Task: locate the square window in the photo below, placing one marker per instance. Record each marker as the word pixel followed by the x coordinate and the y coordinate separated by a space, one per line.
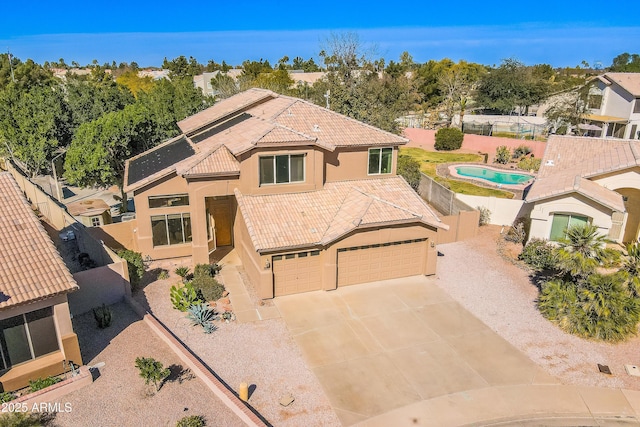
pixel 380 160
pixel 281 169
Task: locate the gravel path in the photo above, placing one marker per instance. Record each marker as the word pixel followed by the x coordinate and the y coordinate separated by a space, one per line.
pixel 119 397
pixel 502 296
pixel 262 354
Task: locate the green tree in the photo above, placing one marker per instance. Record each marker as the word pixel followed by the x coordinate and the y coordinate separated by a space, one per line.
pixel 456 85
pixel 631 268
pixel 224 85
pixel 513 85
pixel 99 148
pixel 33 125
pixel 409 169
pixel 182 67
pixel 626 63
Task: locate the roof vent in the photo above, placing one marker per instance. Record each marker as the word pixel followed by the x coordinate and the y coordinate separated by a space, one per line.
pixel 549 163
pixel 316 128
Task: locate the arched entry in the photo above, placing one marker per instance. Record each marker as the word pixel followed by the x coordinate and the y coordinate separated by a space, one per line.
pixel 632 203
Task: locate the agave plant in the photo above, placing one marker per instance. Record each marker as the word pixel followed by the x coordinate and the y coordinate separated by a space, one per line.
pixel 182 272
pixel 202 315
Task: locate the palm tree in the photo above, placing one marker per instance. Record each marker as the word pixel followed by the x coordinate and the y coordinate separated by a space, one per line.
pixel 582 251
pixel 631 269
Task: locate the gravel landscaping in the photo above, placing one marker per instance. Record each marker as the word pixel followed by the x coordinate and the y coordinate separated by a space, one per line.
pixel 262 354
pixel 503 297
pixel 119 396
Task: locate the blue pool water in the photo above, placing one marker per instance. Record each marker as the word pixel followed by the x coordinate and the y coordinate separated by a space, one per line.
pixel 493 175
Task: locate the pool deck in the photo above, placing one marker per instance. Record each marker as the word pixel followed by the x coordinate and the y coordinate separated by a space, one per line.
pixel 454 174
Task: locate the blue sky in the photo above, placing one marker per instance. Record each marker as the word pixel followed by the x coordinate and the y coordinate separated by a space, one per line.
pixel 554 32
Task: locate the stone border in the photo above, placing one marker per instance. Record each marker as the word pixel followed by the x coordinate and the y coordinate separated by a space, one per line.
pixel 57 390
pixel 247 414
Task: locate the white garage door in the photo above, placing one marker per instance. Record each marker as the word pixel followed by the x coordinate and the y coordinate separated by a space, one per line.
pixel 369 263
pixel 295 273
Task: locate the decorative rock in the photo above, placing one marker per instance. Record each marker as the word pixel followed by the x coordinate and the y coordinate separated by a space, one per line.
pixel 287 400
pixel 225 294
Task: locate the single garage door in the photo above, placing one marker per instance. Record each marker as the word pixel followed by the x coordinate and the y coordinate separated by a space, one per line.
pixel 295 273
pixel 361 264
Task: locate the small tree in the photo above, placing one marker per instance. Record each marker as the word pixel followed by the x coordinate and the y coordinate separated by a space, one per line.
pixel 135 265
pixel 152 371
pixel 448 139
pixel 409 169
pixel 503 155
pixel 582 251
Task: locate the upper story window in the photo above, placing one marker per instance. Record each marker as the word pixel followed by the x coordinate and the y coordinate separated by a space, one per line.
pixel 380 160
pixel 26 337
pixel 636 106
pixel 281 169
pixel 168 201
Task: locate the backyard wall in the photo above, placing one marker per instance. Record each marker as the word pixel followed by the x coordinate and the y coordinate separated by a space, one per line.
pixel 102 285
pixel 425 138
pixel 440 197
pixel 462 226
pixel 119 235
pixel 503 211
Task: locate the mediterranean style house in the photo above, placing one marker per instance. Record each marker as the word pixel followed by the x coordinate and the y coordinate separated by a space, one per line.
pixel 36 334
pixel 614 106
pixel 587 180
pixel 308 198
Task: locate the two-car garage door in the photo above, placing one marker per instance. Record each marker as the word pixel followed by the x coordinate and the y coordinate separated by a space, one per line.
pixel 370 263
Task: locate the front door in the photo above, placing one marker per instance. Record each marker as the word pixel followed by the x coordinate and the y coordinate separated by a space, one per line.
pixel 219 217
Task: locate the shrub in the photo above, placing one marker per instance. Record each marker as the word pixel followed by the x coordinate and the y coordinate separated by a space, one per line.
pixel 134 264
pixel 538 254
pixel 202 315
pixel 184 297
pixel 191 421
pixel 152 371
pixel 409 169
pixel 102 316
pixel 485 215
pixel 182 272
pixel 6 396
pixel 503 155
pixel 206 270
pixel 518 232
pixel 599 308
pixel 208 287
pixel 40 383
pixel 163 274
pixel 529 163
pixel 448 139
pixel 26 419
pixel 521 150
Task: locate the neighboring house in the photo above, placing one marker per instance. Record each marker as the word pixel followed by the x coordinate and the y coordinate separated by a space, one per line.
pixel 614 106
pixel 300 78
pixel 587 180
pixel 36 334
pixel 91 212
pixel 309 198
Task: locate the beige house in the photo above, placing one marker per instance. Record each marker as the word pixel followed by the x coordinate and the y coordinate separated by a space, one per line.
pixel 90 212
pixel 614 106
pixel 587 180
pixel 36 334
pixel 308 198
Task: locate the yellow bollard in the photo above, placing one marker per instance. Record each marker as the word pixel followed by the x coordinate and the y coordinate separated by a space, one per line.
pixel 244 392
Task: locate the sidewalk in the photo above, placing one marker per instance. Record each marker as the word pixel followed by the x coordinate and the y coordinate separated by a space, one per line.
pixel 243 307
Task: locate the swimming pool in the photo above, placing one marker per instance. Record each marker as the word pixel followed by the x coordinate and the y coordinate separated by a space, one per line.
pixel 493 175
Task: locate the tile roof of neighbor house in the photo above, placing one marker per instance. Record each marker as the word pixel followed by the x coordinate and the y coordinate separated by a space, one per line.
pixel 30 266
pixel 629 81
pixel 569 164
pixel 314 218
pixel 256 117
pixel 89 207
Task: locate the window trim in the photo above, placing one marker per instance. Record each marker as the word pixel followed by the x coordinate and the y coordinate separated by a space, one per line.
pixel 4 367
pixel 166 225
pixel 636 106
pixel 381 149
pixel 275 172
pixel 99 220
pixel 168 196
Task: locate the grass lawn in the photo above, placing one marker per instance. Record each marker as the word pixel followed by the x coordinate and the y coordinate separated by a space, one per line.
pixel 429 160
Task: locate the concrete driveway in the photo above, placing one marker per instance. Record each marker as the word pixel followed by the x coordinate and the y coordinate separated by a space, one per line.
pixel 385 345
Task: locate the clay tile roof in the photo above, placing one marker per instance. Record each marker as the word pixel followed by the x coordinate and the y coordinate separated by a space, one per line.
pixel 319 217
pixel 280 134
pixel 30 266
pixel 569 164
pixel 629 81
pixel 89 207
pixel 224 108
pixel 219 162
